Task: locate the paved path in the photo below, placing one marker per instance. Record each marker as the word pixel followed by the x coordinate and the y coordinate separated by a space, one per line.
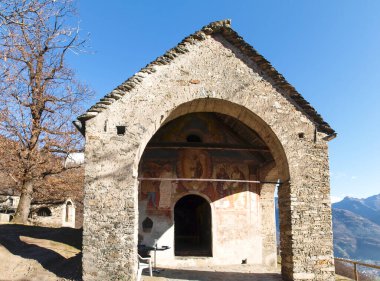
pixel 217 273
pixel 221 273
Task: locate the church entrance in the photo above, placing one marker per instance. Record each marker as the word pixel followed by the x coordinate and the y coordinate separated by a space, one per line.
pixel 192 227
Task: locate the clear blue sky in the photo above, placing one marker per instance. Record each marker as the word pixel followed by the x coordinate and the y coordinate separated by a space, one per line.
pixel 328 50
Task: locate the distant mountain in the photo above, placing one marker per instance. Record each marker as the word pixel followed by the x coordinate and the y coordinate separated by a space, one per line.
pixel 355 237
pixel 373 202
pixel 356 228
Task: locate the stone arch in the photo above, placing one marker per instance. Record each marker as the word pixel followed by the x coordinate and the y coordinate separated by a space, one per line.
pixel 197 193
pixel 68 207
pixel 68 213
pixel 44 212
pixel 226 107
pixel 264 130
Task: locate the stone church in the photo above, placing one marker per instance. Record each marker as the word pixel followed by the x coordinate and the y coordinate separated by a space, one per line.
pixel 188 152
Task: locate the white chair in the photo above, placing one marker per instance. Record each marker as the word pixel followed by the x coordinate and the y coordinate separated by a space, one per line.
pixel 143 263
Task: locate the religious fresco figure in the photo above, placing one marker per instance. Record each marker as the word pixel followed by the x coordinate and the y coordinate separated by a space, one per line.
pixel 237 174
pixel 230 192
pixel 237 199
pixel 165 187
pixel 222 187
pixel 198 168
pixel 149 189
pixel 194 164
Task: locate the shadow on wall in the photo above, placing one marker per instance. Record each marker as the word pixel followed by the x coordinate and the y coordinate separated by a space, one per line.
pixel 13 238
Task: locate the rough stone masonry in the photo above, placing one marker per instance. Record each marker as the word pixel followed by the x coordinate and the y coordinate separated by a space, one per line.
pixel 212 71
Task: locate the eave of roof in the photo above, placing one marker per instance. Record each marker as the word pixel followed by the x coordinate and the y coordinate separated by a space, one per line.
pixel 48 202
pixel 219 27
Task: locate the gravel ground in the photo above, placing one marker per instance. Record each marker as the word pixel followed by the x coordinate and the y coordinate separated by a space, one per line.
pixel 32 253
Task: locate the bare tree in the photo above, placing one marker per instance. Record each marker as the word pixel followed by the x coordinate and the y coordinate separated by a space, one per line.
pixel 39 94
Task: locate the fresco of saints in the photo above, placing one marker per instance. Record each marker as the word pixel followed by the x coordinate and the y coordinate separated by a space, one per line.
pixel 194 164
pixel 165 187
pixel 150 188
pixel 222 187
pixel 237 198
pixel 237 174
pixel 196 167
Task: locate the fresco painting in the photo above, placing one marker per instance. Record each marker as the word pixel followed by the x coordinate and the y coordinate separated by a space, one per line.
pixel 196 163
pixel 149 189
pixel 197 124
pixel 156 194
pixel 165 187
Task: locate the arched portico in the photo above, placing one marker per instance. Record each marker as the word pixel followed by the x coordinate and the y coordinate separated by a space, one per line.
pixel 210 72
pixel 223 143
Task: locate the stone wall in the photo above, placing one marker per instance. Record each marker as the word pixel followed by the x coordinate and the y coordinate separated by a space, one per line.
pixel 53 220
pixel 61 215
pixel 213 76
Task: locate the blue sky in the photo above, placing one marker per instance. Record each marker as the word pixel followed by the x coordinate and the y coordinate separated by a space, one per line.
pixel 328 50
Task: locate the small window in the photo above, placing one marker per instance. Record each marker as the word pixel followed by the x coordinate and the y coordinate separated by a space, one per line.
pixel 193 138
pixel 301 135
pixel 44 212
pixel 120 130
pixel 105 126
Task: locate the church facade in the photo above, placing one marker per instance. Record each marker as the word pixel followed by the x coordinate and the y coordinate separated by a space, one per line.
pixel 186 155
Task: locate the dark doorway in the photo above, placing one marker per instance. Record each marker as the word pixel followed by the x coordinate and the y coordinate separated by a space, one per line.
pixel 192 227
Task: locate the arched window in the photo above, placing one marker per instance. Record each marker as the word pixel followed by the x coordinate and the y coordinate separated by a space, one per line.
pixel 44 212
pixel 69 205
pixel 193 138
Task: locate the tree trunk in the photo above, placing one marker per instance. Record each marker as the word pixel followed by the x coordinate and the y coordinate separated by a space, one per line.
pixel 23 208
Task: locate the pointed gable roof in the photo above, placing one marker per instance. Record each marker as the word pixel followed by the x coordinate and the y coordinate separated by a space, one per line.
pixel 223 28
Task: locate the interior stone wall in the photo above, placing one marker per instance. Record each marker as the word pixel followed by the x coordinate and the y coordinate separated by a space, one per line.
pixel 212 77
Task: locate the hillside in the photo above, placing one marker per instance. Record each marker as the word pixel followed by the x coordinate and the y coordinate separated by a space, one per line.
pixel 356 228
pixel 355 237
pixel 368 208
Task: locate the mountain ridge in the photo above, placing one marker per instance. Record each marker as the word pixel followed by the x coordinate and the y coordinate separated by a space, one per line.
pixel 356 228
